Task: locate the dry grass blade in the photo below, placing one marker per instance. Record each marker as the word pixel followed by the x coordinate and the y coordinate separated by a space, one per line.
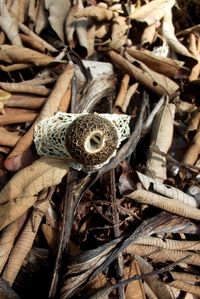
pixel 24 243
pixel 165 203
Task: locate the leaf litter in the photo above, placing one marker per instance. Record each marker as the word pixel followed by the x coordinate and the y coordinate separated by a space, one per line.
pixel 130 230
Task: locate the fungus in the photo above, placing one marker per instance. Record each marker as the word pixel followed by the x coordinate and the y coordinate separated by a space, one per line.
pixel 89 140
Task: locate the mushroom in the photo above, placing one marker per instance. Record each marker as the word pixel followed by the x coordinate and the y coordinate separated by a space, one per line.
pixel 87 140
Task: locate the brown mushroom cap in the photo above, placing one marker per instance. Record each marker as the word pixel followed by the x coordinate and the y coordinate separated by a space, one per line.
pixel 91 139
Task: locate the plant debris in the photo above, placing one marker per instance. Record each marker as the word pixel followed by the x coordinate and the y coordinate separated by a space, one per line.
pixel 130 229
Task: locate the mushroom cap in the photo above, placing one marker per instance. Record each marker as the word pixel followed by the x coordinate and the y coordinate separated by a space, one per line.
pixel 91 139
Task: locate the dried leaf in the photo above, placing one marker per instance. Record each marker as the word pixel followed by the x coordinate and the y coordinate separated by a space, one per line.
pixel 9 25
pixel 185 286
pixel 165 203
pixel 134 289
pixel 14 54
pixel 166 190
pixel 45 172
pixel 98 13
pixel 169 35
pixel 162 134
pixel 164 65
pixel 8 138
pixel 38 15
pixel 151 80
pixel 4 97
pixel 11 210
pixel 119 30
pixel 169 243
pixel 57 13
pixel 6 242
pixel 24 243
pixel 153 11
pixel 154 282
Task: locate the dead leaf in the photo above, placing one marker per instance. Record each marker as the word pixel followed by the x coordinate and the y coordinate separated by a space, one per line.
pixel 165 203
pixel 153 11
pixel 24 242
pixel 57 13
pixel 162 134
pixel 98 13
pixel 14 54
pixel 134 289
pixel 9 25
pixel 4 97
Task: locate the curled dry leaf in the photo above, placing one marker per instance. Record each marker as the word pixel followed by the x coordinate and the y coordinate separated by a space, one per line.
pixel 98 13
pixel 6 241
pixel 9 25
pixel 153 11
pixel 149 35
pixel 24 242
pixel 4 97
pixel 169 34
pixel 165 203
pixel 14 54
pixel 166 190
pixel 185 286
pixel 162 255
pixel 147 78
pixel 164 65
pixel 154 282
pixel 25 101
pixel 45 172
pixel 169 243
pixel 119 30
pixel 134 289
pixel 162 134
pixel 8 138
pixel 13 161
pixel 57 14
pixel 122 91
pixel 38 15
pixel 11 210
pixel 193 151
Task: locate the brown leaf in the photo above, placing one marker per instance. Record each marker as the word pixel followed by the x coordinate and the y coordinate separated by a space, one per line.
pixel 98 13
pixel 134 289
pixel 14 54
pixel 153 81
pixel 164 65
pixel 4 97
pixel 153 11
pixel 162 134
pixel 24 242
pixel 57 14
pixel 45 172
pixel 9 25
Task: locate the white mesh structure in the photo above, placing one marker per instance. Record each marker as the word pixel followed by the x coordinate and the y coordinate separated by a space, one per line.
pixel 50 136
